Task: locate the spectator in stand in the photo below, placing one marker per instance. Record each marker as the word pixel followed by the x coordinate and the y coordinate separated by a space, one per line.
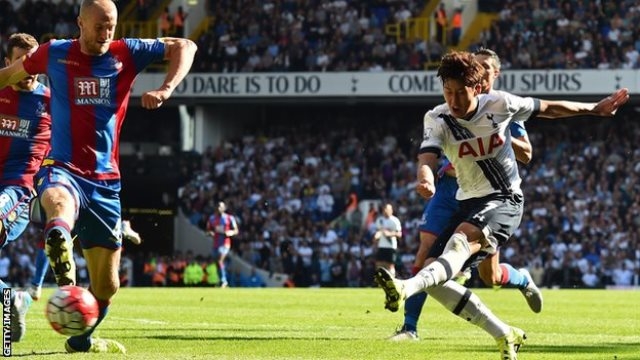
pixel 165 22
pixel 193 273
pixel 441 17
pixel 179 19
pixel 456 27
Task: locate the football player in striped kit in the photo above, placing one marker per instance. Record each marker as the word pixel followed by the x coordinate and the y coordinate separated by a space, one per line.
pixel 78 183
pixel 25 131
pixel 472 130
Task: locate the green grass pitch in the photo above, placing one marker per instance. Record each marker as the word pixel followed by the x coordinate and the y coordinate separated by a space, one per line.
pixel 213 323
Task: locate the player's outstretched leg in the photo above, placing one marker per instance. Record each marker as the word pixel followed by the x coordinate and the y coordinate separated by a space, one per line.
pixel 86 343
pixel 393 289
pixel 59 248
pixel 531 292
pixel 468 306
pixel 20 303
pixel 103 273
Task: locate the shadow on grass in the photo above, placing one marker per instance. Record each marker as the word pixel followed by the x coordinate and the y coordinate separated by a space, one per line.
pixel 38 353
pixel 238 338
pixel 610 350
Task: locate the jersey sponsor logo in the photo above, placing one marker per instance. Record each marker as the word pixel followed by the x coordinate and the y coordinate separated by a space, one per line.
pixel 480 147
pixel 13 126
pixel 68 62
pixel 92 91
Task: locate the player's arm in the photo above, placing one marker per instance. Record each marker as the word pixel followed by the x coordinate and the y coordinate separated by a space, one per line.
pixel 520 142
pixel 180 53
pixel 522 148
pixel 605 107
pixel 429 153
pixel 211 231
pixel 234 228
pixel 427 164
pixel 12 74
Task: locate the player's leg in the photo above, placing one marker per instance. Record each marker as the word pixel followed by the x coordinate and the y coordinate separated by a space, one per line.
pixel 58 195
pixel 102 265
pixel 413 305
pixel 496 274
pixel 221 254
pixel 37 216
pixel 41 267
pixel 99 233
pixel 14 219
pixel 490 222
pixel 468 306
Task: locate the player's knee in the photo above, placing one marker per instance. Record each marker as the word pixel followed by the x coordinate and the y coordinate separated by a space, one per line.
pixel 487 276
pixel 489 280
pixel 457 242
pixel 105 290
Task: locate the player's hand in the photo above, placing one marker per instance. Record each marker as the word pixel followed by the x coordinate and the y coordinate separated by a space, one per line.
pixel 609 105
pixel 426 189
pixel 153 99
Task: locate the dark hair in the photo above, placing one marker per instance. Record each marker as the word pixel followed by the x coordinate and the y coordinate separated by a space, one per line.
pixel 461 66
pixel 491 54
pixel 22 41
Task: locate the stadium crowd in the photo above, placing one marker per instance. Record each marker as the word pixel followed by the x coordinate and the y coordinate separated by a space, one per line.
pixel 290 191
pixel 579 228
pixel 323 35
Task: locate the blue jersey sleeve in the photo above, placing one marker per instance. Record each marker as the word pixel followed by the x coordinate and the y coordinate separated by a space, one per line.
pixel 145 51
pixel 517 129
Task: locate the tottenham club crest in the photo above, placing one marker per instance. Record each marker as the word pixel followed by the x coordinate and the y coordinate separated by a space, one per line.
pixel 427 134
pixel 493 122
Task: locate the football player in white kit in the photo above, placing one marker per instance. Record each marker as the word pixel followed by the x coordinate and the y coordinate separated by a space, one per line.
pixel 472 130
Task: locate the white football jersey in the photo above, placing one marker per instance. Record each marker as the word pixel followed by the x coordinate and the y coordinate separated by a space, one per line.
pixel 480 148
pixel 391 223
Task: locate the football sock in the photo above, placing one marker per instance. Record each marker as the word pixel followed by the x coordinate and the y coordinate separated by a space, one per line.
pixel 60 225
pixel 468 306
pixel 82 342
pixel 412 310
pixel 455 254
pixel 512 277
pixel 223 272
pixel 42 265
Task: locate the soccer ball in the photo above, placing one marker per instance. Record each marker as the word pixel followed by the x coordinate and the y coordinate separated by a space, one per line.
pixel 72 310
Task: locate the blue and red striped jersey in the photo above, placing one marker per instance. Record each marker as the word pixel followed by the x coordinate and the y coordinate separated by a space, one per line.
pixel 218 223
pixel 25 130
pixel 89 99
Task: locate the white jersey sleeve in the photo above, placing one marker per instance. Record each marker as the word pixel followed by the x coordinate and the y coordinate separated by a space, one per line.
pixel 433 134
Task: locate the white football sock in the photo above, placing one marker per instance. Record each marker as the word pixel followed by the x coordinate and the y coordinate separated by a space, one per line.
pixel 454 256
pixel 467 305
